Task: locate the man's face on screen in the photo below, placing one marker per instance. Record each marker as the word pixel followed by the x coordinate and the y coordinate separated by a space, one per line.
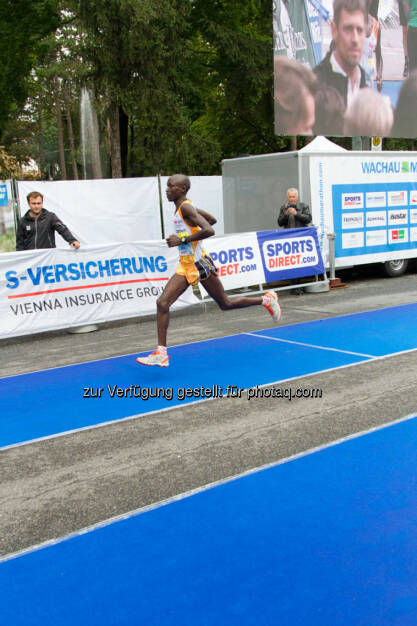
pixel 349 38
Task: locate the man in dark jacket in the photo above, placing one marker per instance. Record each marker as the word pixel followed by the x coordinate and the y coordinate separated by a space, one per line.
pixel 37 227
pixel 340 67
pixel 294 214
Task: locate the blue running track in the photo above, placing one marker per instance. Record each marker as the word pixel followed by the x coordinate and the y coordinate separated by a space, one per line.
pixel 328 539
pixel 50 402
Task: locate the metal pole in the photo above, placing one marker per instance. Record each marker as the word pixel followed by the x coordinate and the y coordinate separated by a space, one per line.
pixel 15 203
pixel 334 282
pixel 332 263
pixel 161 211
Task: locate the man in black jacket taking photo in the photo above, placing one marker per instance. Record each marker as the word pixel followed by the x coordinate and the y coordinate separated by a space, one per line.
pixel 37 227
pixel 294 214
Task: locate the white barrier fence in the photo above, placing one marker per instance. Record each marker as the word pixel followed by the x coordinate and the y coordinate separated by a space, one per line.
pixel 42 290
pixel 125 209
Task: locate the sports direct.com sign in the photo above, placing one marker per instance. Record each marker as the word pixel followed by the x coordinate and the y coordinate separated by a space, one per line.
pixel 267 256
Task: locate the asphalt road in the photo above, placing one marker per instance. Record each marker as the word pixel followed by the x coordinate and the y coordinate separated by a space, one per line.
pixel 52 488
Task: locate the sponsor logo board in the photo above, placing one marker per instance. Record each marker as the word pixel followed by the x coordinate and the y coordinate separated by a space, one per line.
pixel 398 235
pixel 397 198
pixel 376 238
pixel 282 253
pixel 375 199
pixel 352 240
pixel 290 255
pixel 413 234
pixel 398 217
pixel 352 220
pixel 352 200
pixel 376 218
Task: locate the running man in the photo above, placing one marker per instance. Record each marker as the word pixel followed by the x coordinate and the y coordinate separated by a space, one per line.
pixel 191 225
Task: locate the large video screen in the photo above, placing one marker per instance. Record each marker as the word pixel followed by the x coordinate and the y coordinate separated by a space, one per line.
pixel 345 67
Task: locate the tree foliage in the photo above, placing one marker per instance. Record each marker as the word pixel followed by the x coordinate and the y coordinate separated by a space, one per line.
pixel 9 167
pixel 176 84
pixel 25 25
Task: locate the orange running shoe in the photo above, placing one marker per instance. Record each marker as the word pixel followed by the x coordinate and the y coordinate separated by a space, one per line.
pixel 270 302
pixel 156 358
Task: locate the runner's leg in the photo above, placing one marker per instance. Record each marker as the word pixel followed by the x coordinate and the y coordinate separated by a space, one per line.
pixel 173 289
pixel 215 289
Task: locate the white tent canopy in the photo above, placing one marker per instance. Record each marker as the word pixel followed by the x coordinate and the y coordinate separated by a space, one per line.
pixel 321 144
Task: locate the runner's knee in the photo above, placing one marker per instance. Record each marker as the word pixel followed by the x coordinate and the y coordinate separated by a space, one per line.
pixel 225 304
pixel 162 304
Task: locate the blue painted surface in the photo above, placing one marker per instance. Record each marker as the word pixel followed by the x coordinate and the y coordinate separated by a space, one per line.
pixel 50 402
pixel 328 539
pixel 45 403
pixel 376 333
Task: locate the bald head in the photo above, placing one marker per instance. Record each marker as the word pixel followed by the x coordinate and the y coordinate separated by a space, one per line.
pixel 181 179
pixel 177 187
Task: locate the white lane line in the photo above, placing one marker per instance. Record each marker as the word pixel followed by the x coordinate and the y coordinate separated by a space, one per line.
pixel 176 406
pixel 139 351
pixel 312 345
pixel 192 492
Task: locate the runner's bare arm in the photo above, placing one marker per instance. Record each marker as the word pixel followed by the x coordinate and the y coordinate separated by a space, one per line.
pixel 193 218
pixel 207 216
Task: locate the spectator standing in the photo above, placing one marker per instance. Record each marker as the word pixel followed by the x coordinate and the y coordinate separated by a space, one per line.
pixel 37 227
pixel 294 214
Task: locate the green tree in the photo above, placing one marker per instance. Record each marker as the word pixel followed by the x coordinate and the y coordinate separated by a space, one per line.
pixel 25 24
pixel 237 61
pixel 9 167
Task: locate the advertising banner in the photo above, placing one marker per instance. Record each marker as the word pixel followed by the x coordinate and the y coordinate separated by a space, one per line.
pixel 4 200
pixel 43 290
pixel 369 202
pixel 290 253
pixel 265 257
pixel 237 258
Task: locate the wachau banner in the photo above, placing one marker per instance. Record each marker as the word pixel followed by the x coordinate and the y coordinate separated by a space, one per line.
pixel 266 256
pixel 370 202
pixel 43 290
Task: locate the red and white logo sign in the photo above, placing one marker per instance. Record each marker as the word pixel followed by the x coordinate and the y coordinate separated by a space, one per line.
pixel 352 200
pixel 397 198
pixel 399 235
